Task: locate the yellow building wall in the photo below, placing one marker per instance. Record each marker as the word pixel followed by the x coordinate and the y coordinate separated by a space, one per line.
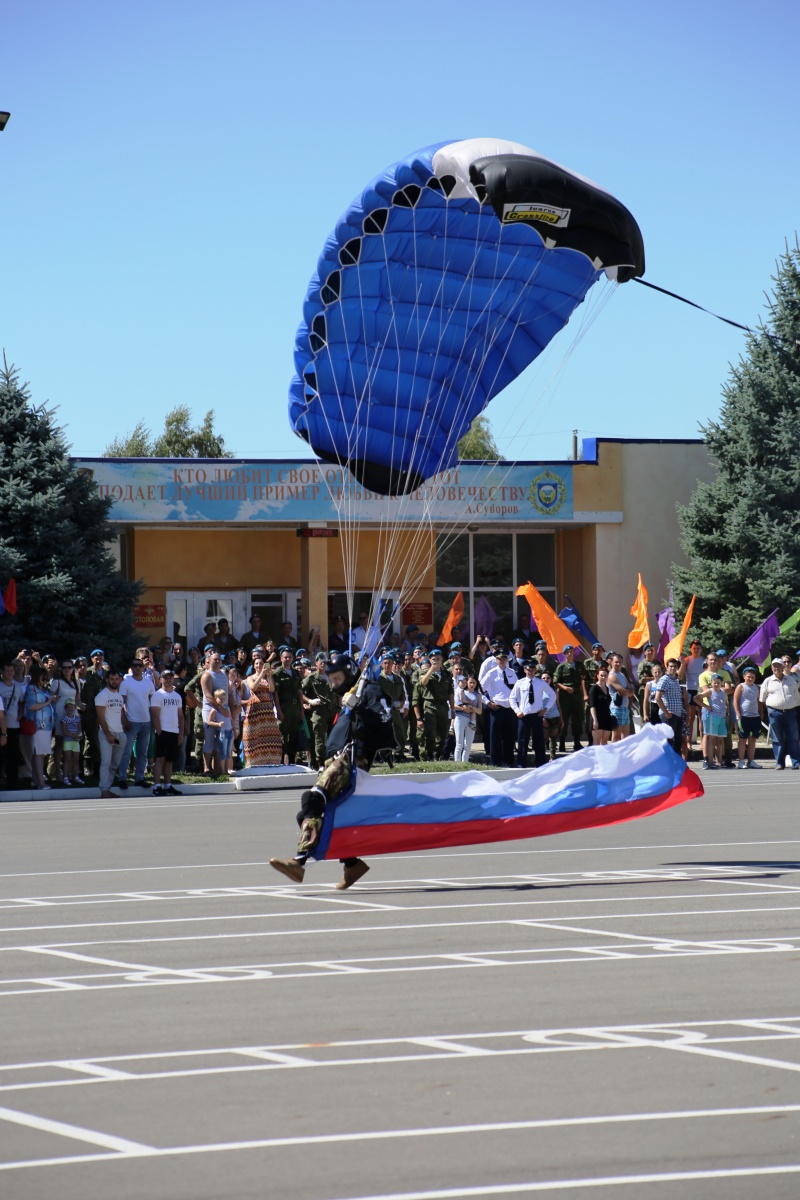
pixel 599 487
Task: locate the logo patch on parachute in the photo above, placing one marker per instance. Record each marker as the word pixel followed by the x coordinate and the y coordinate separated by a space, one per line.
pixel 547 214
pixel 547 493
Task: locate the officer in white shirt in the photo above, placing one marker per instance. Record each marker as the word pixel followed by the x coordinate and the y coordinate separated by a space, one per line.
pixel 530 698
pixel 496 684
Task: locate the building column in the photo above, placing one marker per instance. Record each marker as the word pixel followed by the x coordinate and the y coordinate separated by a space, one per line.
pixel 314 587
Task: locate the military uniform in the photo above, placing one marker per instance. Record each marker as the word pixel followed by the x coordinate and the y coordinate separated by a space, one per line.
pixel 316 687
pixel 571 703
pixel 250 640
pixel 408 677
pixel 548 665
pixel 195 731
pixel 288 691
pixel 93 684
pixel 394 690
pixel 433 702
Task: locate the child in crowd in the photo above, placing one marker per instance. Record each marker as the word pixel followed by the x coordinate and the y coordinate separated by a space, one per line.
pixel 219 719
pixel 715 722
pixel 650 708
pixel 71 731
pixel 748 720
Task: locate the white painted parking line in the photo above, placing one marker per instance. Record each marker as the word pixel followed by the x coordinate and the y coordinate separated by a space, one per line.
pixel 563 1185
pixel 161 1065
pixel 528 850
pixel 629 946
pixel 62 1129
pixel 403 926
pixel 130 1149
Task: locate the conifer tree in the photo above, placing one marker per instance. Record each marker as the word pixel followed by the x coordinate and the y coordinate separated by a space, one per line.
pixel 54 536
pixel 741 533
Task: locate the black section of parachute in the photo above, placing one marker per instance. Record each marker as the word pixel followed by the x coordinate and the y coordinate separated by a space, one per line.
pixel 597 224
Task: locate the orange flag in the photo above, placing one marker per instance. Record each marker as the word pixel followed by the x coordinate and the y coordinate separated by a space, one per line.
pixel 453 620
pixel 675 647
pixel 640 634
pixel 551 628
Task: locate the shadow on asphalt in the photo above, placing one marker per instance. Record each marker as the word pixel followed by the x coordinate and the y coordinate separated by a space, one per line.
pixel 766 864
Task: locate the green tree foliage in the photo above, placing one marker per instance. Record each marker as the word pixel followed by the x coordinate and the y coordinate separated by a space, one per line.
pixel 179 439
pixel 478 443
pixel 741 533
pixel 54 538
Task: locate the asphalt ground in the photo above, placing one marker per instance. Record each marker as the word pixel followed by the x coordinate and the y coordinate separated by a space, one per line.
pixel 616 1009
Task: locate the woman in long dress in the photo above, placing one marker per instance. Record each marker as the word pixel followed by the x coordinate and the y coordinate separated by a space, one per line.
pixel 261 737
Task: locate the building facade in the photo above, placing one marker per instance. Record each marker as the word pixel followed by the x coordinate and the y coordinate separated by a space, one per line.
pixel 224 538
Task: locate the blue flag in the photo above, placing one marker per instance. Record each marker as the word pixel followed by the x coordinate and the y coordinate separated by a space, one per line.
pixel 573 619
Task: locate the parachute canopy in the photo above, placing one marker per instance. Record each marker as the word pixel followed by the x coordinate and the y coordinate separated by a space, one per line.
pixel 444 279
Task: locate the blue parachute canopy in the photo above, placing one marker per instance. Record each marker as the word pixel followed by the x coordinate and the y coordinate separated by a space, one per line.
pixel 444 279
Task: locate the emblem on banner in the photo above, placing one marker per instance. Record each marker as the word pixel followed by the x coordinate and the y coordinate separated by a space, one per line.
pixel 547 493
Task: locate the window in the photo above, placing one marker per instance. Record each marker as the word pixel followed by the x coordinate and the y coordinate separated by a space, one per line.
pixel 487 568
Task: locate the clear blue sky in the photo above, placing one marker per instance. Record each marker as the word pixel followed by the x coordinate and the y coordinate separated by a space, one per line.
pixel 171 170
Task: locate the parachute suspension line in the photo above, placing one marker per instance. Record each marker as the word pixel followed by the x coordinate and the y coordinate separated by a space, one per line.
pixel 412 565
pixel 452 529
pixel 692 304
pixel 594 306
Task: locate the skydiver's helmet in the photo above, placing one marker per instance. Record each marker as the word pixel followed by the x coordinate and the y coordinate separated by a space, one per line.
pixel 343 664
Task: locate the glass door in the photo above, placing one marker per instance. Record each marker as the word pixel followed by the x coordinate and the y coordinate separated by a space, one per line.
pixel 189 612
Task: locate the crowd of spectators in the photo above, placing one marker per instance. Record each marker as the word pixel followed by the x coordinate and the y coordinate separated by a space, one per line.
pixel 228 703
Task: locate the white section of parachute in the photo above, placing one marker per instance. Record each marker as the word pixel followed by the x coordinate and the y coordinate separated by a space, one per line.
pixel 456 159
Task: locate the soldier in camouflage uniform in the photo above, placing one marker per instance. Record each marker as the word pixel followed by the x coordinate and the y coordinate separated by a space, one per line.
pixel 434 705
pixel 457 665
pixel 93 684
pixel 569 684
pixel 321 709
pixel 392 686
pixel 467 667
pixel 288 693
pixel 543 660
pixel 197 735
pixel 407 673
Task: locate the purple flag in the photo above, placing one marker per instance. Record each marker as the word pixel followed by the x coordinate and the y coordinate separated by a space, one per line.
pixel 759 644
pixel 666 629
pixel 484 617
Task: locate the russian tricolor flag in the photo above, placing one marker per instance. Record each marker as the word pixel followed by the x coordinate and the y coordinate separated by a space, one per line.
pixel 602 785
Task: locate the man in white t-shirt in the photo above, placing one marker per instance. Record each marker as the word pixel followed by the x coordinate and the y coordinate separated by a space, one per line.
pixel 166 710
pixel 137 691
pixel 111 724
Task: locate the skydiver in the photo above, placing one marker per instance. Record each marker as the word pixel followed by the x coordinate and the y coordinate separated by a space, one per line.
pixel 362 728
